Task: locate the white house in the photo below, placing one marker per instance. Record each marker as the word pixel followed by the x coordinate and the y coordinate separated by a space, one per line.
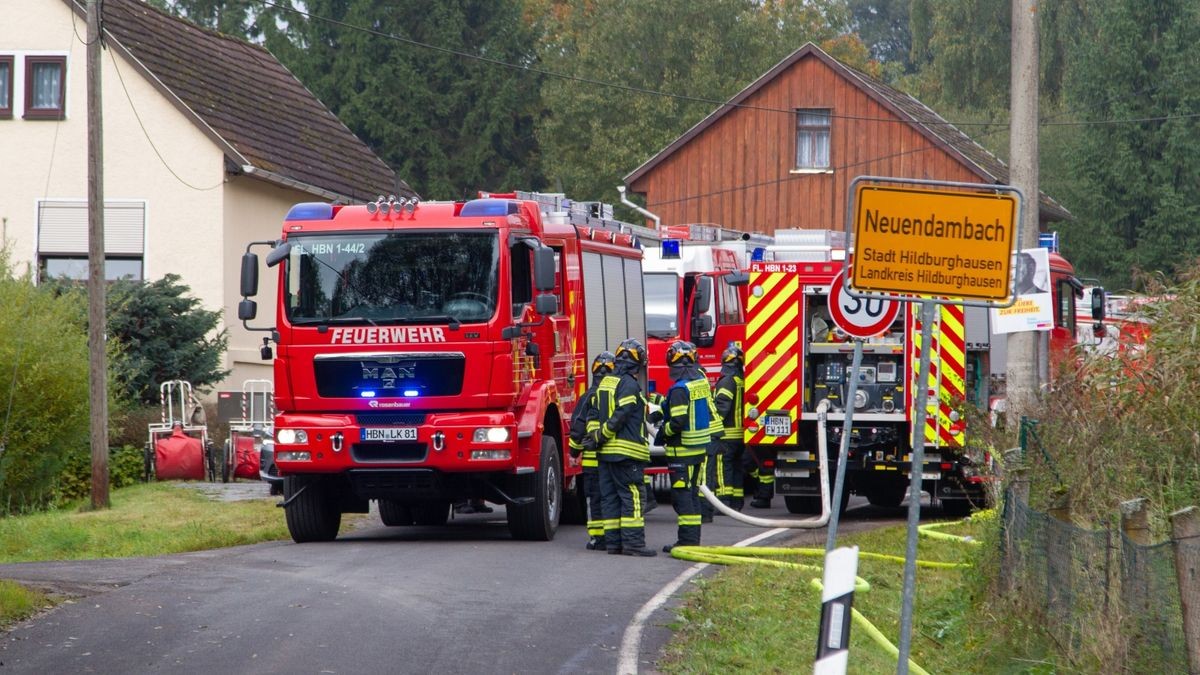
pixel 208 140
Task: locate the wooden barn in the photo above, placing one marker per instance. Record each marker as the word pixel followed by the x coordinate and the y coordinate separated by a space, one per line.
pixel 782 153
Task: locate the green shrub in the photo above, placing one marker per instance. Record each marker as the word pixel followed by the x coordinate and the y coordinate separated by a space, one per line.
pixel 126 466
pixel 43 387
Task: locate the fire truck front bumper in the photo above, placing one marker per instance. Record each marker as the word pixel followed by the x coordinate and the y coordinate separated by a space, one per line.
pixel 447 442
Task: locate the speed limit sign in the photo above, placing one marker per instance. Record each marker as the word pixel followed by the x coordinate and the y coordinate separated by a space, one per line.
pixel 860 317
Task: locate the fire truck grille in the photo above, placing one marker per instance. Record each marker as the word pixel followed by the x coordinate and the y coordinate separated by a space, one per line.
pixel 390 483
pixel 408 378
pixel 388 452
pixel 390 419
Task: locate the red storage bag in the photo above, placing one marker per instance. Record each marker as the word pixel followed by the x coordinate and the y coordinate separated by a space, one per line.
pixel 246 458
pixel 179 457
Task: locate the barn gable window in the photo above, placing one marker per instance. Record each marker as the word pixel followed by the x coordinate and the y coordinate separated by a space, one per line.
pixel 812 139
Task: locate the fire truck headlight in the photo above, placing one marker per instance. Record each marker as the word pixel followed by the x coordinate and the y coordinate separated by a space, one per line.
pixel 757 291
pixel 752 413
pixel 291 436
pixel 954 416
pixel 491 435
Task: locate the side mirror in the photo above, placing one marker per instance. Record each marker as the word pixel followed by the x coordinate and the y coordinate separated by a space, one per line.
pixel 265 350
pixel 737 278
pixel 543 268
pixel 704 291
pixel 510 332
pixel 249 275
pixel 546 304
pixel 278 254
pixel 247 309
pixel 1098 304
pixel 702 331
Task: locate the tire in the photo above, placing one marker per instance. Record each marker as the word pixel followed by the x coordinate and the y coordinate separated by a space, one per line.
pixel 431 514
pixel 314 515
pixel 574 511
pixel 225 461
pixel 538 521
pixel 888 499
pixel 395 514
pixel 803 505
pixel 957 508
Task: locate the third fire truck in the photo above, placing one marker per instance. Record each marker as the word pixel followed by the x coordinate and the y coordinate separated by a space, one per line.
pixel 796 358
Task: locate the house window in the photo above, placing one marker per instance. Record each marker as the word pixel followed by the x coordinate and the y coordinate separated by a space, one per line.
pixel 63 239
pixel 75 268
pixel 45 87
pixel 6 86
pixel 812 139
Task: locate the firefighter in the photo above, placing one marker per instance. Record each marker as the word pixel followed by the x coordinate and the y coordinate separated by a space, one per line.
pixel 622 450
pixel 763 470
pixel 713 473
pixel 602 365
pixel 686 436
pixel 728 399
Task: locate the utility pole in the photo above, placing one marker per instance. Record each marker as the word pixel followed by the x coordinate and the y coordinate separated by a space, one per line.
pixel 97 362
pixel 1022 379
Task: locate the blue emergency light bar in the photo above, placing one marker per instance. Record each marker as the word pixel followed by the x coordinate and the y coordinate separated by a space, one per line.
pixel 411 393
pixel 1048 240
pixel 670 249
pixel 477 208
pixel 759 254
pixel 311 211
pixel 366 394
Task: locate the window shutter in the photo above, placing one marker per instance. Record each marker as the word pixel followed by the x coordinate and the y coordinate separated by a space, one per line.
pixel 62 227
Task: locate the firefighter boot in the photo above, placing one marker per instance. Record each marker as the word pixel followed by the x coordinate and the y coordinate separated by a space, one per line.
pixel 763 496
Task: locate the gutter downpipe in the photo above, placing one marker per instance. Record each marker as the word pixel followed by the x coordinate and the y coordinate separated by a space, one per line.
pixel 811 523
pixel 639 209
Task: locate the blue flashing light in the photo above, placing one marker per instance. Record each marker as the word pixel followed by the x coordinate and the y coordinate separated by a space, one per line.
pixel 366 393
pixel 653 386
pixel 477 208
pixel 758 254
pixel 670 249
pixel 311 211
pixel 411 393
pixel 1048 240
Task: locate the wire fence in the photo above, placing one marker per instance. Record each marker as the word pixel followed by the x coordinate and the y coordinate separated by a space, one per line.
pixel 1104 595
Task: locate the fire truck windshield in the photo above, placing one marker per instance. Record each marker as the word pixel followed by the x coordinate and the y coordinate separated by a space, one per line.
pixel 662 304
pixel 394 277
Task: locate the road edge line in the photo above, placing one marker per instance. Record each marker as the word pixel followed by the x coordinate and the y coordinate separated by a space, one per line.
pixel 631 641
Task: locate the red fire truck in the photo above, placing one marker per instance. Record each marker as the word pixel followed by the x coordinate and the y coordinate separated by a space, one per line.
pixel 689 295
pixel 796 358
pixel 430 353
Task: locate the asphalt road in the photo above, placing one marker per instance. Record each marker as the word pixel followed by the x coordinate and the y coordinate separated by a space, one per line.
pixel 464 598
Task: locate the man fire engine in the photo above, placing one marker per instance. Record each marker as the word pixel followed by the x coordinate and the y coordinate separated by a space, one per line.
pixel 796 357
pixel 433 352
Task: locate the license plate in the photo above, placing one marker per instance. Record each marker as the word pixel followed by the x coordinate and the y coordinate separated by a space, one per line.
pixel 388 434
pixel 779 425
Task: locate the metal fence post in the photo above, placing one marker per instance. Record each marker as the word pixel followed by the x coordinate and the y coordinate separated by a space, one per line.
pixel 1017 497
pixel 1185 535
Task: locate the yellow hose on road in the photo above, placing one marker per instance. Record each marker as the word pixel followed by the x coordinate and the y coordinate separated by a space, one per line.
pixel 764 555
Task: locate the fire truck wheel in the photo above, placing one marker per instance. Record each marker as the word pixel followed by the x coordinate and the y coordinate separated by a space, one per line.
pixel 431 514
pixel 394 514
pixel 888 499
pixel 538 520
pixel 225 457
pixel 956 508
pixel 574 510
pixel 314 515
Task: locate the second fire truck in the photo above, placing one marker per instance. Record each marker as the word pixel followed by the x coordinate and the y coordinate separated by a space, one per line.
pixel 796 358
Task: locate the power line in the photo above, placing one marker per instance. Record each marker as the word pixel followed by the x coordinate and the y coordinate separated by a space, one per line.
pixel 147 133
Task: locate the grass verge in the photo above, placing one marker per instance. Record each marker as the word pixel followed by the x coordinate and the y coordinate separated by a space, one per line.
pixel 145 520
pixel 761 619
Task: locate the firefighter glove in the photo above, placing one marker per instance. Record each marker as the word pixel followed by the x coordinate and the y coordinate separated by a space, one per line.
pixel 656 416
pixel 593 440
pixel 660 437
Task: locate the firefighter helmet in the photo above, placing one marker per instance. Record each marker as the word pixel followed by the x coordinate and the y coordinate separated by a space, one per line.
pixel 681 353
pixel 632 351
pixel 733 354
pixel 604 363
